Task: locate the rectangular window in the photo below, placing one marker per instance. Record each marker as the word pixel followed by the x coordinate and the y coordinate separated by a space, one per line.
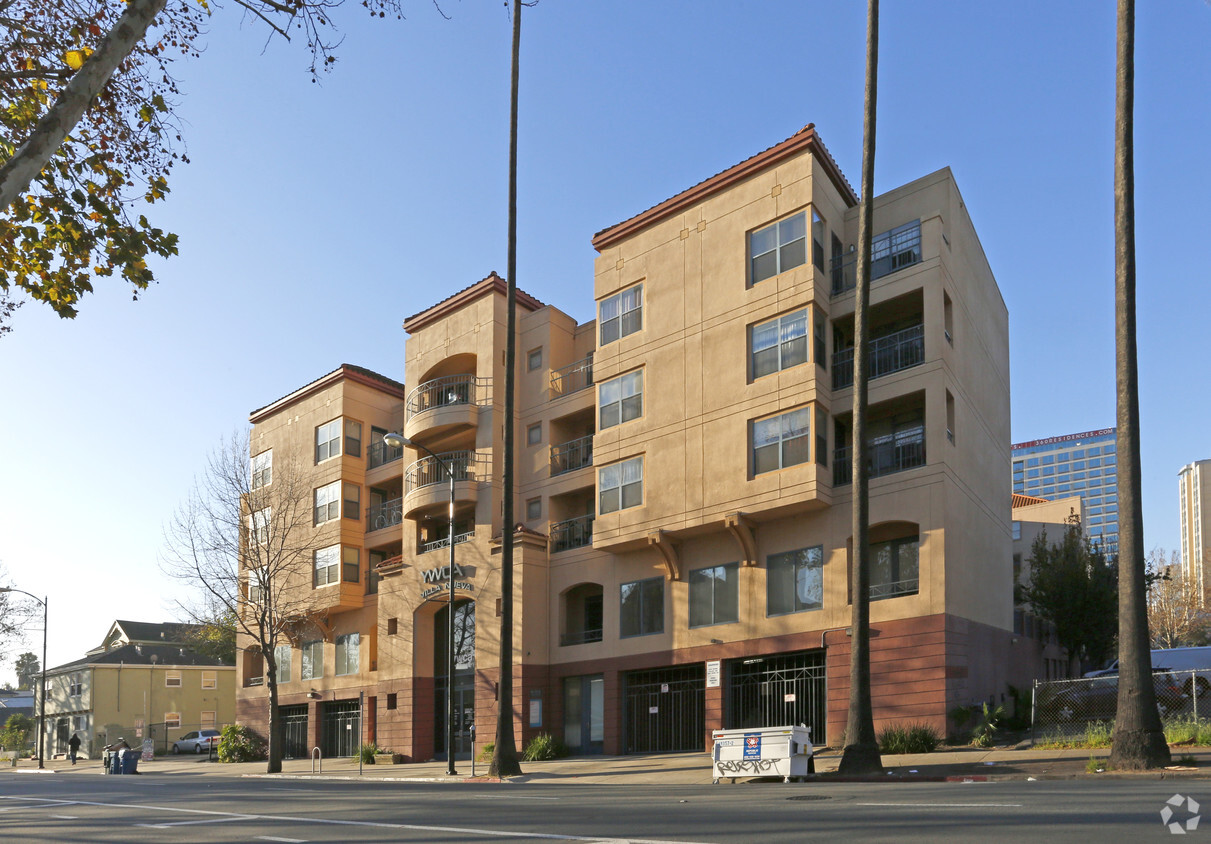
pixel 893 568
pixel 641 610
pixel 794 581
pixel 534 359
pixel 392 626
pixel 779 344
pixel 346 653
pixel 621 399
pixel 821 436
pixel 778 247
pixel 208 719
pixel 210 679
pixel 817 240
pixel 819 323
pixel 781 441
pixel 1017 530
pixel 327 560
pixel 313 660
pixel 533 509
pixel 172 720
pixel 328 503
pixel 534 434
pixel 351 564
pixel 327 440
pixel 75 685
pixel 282 654
pixel 373 559
pixel 172 679
pixel 621 314
pixel 715 595
pixel 258 526
pixel 621 485
pixel 262 469
pixel 353 438
pixel 391 700
pixel 353 501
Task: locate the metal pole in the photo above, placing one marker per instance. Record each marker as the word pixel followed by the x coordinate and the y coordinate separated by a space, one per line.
pixel 42 705
pixel 361 728
pixel 450 642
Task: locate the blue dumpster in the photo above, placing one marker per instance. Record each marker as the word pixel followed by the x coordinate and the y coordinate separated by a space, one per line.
pixel 130 761
pixel 115 762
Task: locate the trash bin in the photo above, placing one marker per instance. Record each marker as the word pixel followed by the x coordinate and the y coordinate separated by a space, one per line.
pixel 130 760
pixel 763 752
pixel 112 758
pixel 115 762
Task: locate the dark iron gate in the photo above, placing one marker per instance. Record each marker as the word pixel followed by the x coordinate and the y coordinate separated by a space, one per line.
pixel 777 691
pixel 664 709
pixel 294 731
pixel 342 728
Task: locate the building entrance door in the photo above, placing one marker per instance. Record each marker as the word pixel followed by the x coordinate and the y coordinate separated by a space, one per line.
pixel 665 709
pixel 584 713
pixel 294 731
pixel 776 691
pixel 464 678
pixel 342 728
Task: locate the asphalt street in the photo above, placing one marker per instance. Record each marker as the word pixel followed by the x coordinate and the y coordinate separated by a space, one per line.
pixel 186 808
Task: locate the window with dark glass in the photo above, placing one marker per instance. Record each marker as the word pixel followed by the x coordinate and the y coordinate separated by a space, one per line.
pixel 327 440
pixel 621 399
pixel 794 581
pixel 621 314
pixel 621 485
pixel 715 595
pixel 353 501
pixel 781 441
pixel 641 607
pixel 778 247
pixel 780 343
pixel 894 568
pixel 353 438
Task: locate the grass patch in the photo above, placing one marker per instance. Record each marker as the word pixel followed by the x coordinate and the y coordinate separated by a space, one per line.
pixel 1096 736
pixel 1094 765
pixel 544 746
pixel 1188 731
pixel 908 738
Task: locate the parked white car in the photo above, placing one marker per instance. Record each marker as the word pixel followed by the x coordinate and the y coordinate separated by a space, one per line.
pixel 197 741
pixel 1181 661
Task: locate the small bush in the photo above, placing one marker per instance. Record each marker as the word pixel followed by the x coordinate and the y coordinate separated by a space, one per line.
pixel 544 746
pixel 485 755
pixel 1094 765
pixel 241 744
pixel 908 738
pixel 985 732
pixel 367 752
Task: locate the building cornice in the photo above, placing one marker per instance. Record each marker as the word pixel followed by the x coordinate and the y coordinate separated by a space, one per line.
pixel 345 372
pixel 492 284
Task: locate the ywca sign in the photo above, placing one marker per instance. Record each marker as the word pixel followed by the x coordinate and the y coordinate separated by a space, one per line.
pixel 440 576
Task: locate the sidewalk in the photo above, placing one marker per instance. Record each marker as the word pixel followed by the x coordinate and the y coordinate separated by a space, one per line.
pixel 952 763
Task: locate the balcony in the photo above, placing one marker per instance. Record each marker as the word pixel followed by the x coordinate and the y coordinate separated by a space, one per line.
pixel 380 454
pixel 888 354
pixel 444 403
pixel 444 542
pixel 890 251
pixel 574 533
pixel 895 589
pixel 886 455
pixel 580 637
pixel 572 379
pixel 572 455
pixel 385 515
pixel 425 482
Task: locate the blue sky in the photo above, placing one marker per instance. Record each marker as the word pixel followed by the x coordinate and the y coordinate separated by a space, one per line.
pixel 315 218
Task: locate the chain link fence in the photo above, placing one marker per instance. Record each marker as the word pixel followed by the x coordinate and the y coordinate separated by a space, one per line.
pixel 1064 708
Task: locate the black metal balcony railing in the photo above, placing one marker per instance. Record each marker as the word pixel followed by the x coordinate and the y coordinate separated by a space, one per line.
pixel 580 637
pixel 384 515
pixel 890 251
pixel 888 354
pixel 459 539
pixel 380 454
pixel 428 471
pixel 885 455
pixel 574 533
pixel 572 378
pixel 894 589
pixel 574 454
pixel 443 392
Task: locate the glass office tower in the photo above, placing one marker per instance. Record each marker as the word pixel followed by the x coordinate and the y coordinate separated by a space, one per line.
pixel 1082 464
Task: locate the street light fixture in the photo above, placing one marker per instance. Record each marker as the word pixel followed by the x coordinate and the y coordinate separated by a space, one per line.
pixel 399 441
pixel 42 696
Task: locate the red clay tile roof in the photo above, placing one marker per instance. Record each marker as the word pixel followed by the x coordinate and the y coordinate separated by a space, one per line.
pixel 346 370
pixel 1020 500
pixel 492 282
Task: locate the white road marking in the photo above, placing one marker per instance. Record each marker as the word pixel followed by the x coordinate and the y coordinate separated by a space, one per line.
pixel 286 840
pixel 67 817
pixel 168 824
pixel 300 790
pixel 948 805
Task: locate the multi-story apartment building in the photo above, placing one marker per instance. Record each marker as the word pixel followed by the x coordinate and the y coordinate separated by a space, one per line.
pixel 1195 511
pixel 1033 517
pixel 1083 464
pixel 684 539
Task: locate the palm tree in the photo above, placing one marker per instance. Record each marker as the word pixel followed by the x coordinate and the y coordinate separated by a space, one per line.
pixel 861 753
pixel 1139 741
pixel 504 753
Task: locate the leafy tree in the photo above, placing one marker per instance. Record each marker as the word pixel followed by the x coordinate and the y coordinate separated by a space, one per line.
pixel 861 752
pixel 1138 742
pixel 215 637
pixel 17 732
pixel 89 133
pixel 1176 617
pixel 1071 585
pixel 28 668
pixel 15 612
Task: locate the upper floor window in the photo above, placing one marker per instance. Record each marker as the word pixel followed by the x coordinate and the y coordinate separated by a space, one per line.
pixel 353 438
pixel 282 655
pixel 534 359
pixel 621 314
pixel 210 679
pixel 75 685
pixel 353 501
pixel 778 248
pixel 781 441
pixel 346 653
pixel 262 469
pixel 327 440
pixel 327 561
pixel 312 660
pixel 641 608
pixel 621 399
pixel 780 343
pixel 715 595
pixel 894 568
pixel 794 581
pixel 328 503
pixel 258 526
pixel 817 240
pixel 172 679
pixel 621 485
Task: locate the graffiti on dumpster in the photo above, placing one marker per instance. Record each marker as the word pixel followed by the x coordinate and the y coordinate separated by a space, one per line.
pixel 739 766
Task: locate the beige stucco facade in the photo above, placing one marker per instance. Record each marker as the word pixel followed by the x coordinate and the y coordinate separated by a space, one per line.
pixel 676 569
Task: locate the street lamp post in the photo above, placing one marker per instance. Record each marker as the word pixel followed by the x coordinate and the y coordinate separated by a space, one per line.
pixel 42 695
pixel 399 441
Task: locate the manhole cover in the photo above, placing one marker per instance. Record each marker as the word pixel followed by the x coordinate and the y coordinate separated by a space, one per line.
pixel 810 797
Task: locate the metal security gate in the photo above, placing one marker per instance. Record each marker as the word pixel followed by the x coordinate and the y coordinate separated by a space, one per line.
pixel 777 691
pixel 294 731
pixel 664 709
pixel 342 728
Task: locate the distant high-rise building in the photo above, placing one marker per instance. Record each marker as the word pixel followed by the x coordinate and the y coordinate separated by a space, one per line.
pixel 1196 521
pixel 1082 464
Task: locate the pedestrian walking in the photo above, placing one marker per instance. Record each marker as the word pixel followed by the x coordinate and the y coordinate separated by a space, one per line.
pixel 73 745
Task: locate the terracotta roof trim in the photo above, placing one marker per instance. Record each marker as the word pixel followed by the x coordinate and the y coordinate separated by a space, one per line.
pixel 352 372
pixel 805 139
pixel 490 284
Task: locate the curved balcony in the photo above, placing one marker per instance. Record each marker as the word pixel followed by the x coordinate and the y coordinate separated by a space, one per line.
pixel 445 403
pixel 426 484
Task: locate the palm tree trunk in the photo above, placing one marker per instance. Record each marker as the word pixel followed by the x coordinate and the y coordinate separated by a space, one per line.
pixel 504 753
pixel 1139 741
pixel 861 753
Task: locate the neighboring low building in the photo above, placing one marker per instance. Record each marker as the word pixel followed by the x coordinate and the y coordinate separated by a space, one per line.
pixel 1195 509
pixel 142 682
